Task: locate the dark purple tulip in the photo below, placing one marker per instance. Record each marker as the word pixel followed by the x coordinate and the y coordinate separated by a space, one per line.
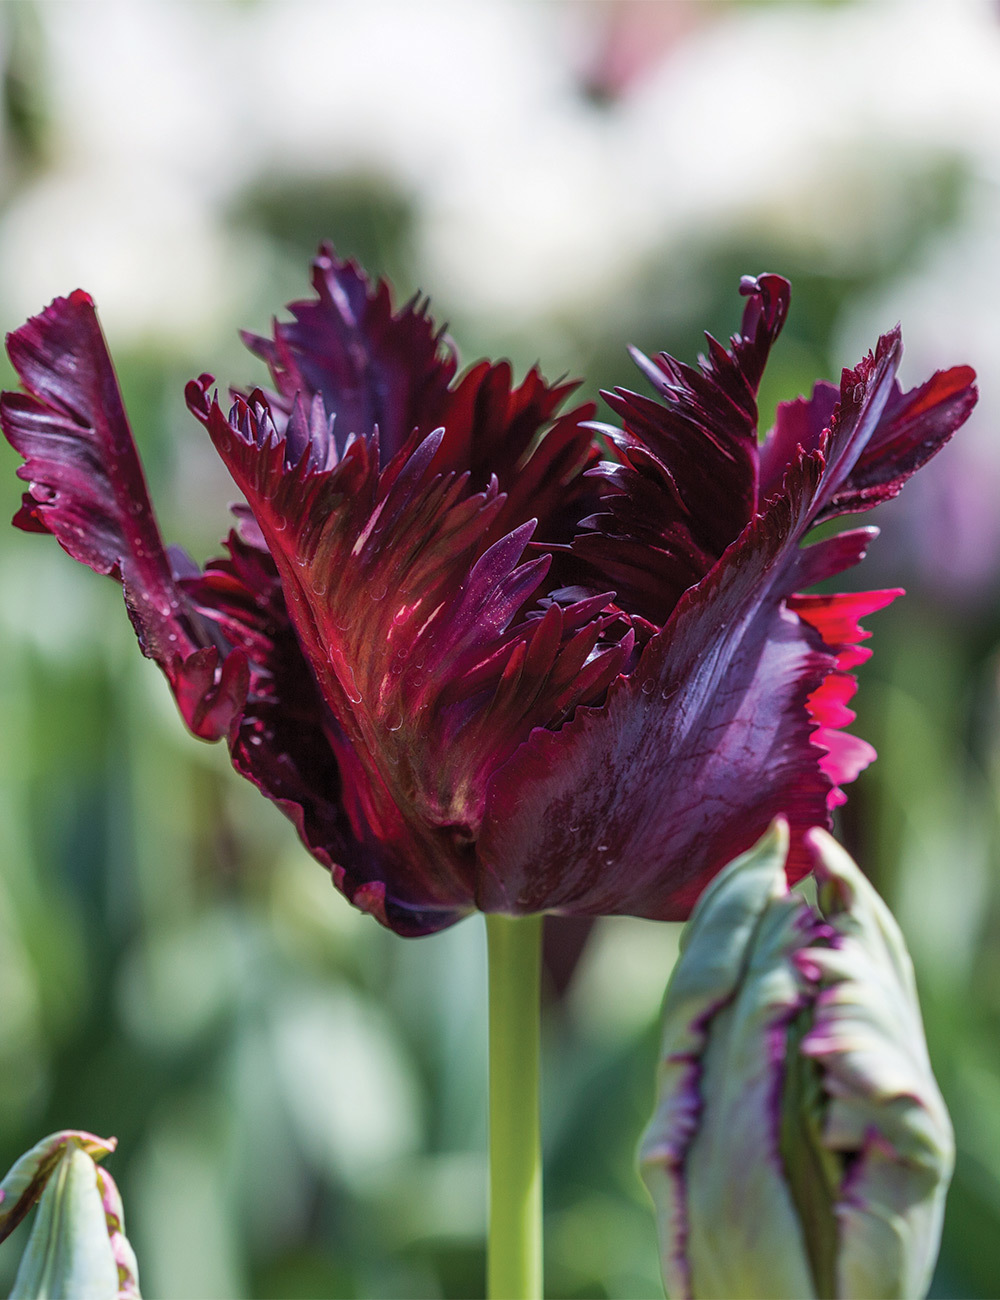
pixel 475 665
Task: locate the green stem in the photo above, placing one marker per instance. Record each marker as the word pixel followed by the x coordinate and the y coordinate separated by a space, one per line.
pixel 514 1252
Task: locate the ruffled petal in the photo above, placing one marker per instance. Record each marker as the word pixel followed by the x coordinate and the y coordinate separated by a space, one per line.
pixel 912 427
pixel 687 486
pixel 290 746
pixel 729 719
pixel 375 367
pixel 371 366
pixel 86 487
pixel 633 806
pixel 492 429
pixel 407 612
pixel 837 620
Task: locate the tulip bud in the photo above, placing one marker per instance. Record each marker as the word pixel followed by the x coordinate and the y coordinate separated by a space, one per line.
pixel 77 1248
pixel 800 1146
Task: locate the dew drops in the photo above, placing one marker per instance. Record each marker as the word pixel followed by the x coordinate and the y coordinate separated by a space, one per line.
pixel 351 687
pixel 377 592
pixel 648 686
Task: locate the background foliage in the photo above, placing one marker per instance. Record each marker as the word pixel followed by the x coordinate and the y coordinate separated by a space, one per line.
pixel 299 1096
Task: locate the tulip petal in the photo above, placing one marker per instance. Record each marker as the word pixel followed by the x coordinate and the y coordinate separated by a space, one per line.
pixel 799 1146
pixel 714 946
pixel 885 1117
pixel 376 367
pixel 690 757
pixel 372 367
pixel 689 486
pixel 912 427
pixel 68 1252
pixel 836 619
pixel 408 678
pixel 712 735
pixel 87 488
pixel 121 1248
pixel 726 1012
pixel 290 746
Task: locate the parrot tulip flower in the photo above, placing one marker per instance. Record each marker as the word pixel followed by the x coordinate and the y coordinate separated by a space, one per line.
pixel 476 664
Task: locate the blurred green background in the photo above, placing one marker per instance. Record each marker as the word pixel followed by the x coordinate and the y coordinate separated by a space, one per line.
pixel 300 1096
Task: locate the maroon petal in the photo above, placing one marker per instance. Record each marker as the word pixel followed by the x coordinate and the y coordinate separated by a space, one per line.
pixel 912 427
pixel 799 426
pixel 375 367
pixel 492 429
pixel 633 806
pixel 688 486
pixel 408 613
pixel 372 367
pixel 287 741
pixel 86 487
pixel 734 710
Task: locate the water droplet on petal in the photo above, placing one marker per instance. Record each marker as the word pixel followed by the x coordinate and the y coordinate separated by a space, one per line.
pixel 648 686
pixel 351 688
